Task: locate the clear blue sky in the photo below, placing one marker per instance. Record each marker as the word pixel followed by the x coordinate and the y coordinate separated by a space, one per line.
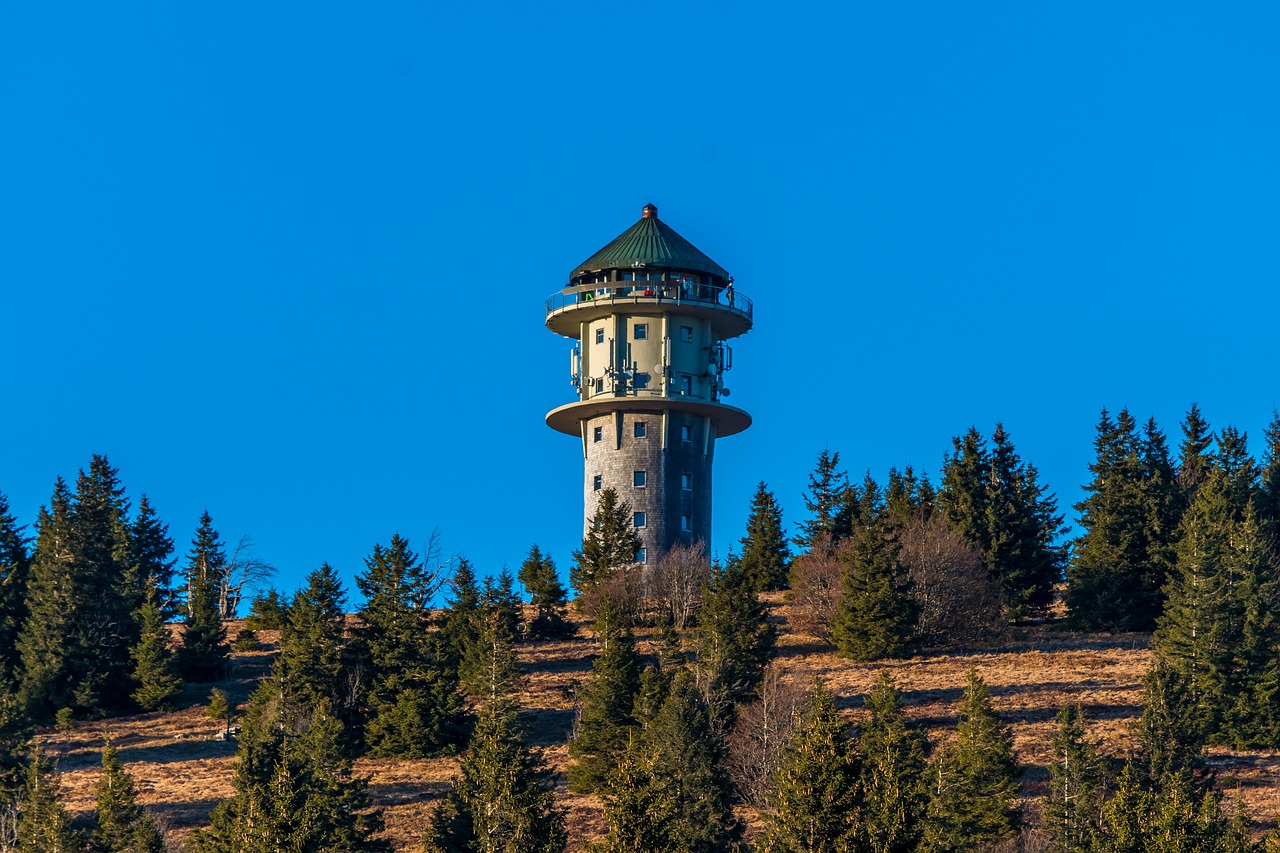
pixel 287 262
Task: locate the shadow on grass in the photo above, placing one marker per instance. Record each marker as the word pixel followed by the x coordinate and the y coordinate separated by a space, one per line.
pixel 547 726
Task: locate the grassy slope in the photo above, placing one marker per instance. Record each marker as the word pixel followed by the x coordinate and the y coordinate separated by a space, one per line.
pixel 182 773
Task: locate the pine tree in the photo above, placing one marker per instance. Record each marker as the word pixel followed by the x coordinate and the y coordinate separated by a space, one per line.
pixel 876 615
pixel 973 781
pixel 503 801
pixel 493 670
pixel 605 720
pixel 1193 460
pixel 122 825
pixel 610 542
pixel 830 501
pixel 293 784
pixel 547 595
pixel 816 805
pixel 765 555
pixel 204 653
pixel 155 667
pixel 415 704
pixel 15 566
pixel 734 638
pixel 1163 502
pixel 1077 786
pixel 44 825
pixel 892 773
pixel 675 773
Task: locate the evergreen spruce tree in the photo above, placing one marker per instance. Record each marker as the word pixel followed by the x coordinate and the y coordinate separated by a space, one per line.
pixel 1163 501
pixel 876 615
pixel 15 741
pixel 492 669
pixel 1024 523
pixel 1269 478
pixel 122 825
pixel 671 792
pixel 155 667
pixel 830 501
pixel 1110 588
pixel 503 800
pixel 1194 459
pixel 605 720
pixel 765 556
pixel 963 495
pixel 416 710
pixel 1177 815
pixel 44 825
pixel 110 594
pixel 151 558
pixel 610 542
pixel 973 781
pixel 268 611
pixel 547 595
pixel 203 654
pixel 15 566
pixel 46 642
pixel 460 625
pixel 734 638
pixel 1239 470
pixel 293 784
pixel 892 773
pixel 816 807
pixel 313 662
pixel 1077 786
pixel 1218 632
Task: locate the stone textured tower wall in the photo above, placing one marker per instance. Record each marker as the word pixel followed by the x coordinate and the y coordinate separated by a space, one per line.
pixel 619 454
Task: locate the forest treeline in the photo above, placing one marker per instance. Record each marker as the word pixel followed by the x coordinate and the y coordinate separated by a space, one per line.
pixel 99 618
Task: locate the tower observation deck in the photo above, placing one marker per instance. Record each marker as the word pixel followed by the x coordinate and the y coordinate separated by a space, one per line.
pixel 650 316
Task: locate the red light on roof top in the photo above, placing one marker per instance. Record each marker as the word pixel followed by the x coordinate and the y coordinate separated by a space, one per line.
pixel 649 212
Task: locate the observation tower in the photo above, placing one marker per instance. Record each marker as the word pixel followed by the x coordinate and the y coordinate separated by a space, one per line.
pixel 649 316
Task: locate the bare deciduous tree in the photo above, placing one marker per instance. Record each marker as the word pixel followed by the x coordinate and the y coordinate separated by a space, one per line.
pixel 815 587
pixel 960 603
pixel 760 734
pixel 245 572
pixel 674 584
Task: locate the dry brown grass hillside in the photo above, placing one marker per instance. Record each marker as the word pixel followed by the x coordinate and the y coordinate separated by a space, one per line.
pixel 182 772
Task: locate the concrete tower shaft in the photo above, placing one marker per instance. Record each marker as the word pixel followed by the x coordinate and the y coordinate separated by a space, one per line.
pixel 650 316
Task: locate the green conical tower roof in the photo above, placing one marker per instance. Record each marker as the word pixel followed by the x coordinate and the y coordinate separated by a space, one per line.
pixel 653 243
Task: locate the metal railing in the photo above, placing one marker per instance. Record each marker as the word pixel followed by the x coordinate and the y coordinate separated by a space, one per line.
pixel 665 292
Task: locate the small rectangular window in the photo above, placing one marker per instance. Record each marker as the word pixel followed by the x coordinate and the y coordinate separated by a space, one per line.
pixel 686 334
pixel 686 523
pixel 597 434
pixel 686 482
pixel 638 521
pixel 640 429
pixel 686 434
pixel 638 479
pixel 600 335
pixel 686 385
pixel 600 385
pixel 642 331
pixel 640 554
pixel 597 482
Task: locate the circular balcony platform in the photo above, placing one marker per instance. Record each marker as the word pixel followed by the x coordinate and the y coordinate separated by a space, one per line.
pixel 727 420
pixel 730 316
